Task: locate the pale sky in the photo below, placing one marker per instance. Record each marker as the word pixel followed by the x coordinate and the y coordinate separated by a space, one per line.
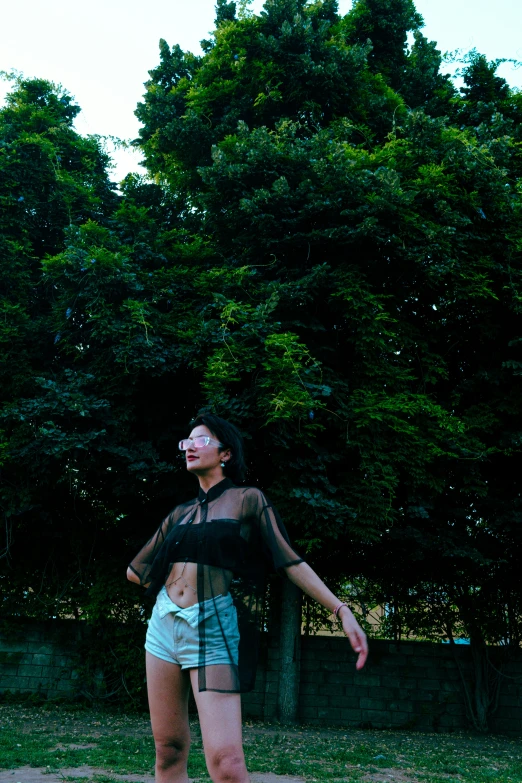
pixel 100 51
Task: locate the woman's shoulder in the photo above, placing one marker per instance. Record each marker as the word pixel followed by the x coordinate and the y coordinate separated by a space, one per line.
pixel 252 497
pixel 248 490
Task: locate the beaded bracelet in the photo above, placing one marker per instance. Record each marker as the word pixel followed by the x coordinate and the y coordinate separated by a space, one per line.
pixel 338 608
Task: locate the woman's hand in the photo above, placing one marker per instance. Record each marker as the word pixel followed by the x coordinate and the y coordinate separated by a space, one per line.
pixel 303 576
pixel 355 634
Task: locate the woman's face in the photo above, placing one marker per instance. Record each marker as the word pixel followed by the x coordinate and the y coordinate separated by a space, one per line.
pixel 205 458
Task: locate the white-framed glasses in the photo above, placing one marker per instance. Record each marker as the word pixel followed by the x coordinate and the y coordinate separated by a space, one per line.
pixel 198 443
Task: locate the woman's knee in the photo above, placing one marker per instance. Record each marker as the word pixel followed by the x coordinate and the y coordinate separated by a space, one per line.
pixel 171 752
pixel 227 765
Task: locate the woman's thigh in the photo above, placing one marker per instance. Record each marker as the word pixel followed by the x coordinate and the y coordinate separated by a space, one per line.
pixel 220 721
pixel 168 690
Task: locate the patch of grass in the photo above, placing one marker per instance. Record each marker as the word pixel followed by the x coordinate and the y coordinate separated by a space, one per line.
pixel 123 745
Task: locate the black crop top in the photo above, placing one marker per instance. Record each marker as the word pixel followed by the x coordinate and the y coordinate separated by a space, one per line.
pixel 235 536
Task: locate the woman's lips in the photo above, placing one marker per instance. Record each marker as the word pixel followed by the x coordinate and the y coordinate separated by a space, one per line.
pixel 190 459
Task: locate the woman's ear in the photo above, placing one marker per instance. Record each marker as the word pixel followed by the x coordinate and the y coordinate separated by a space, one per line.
pixel 226 455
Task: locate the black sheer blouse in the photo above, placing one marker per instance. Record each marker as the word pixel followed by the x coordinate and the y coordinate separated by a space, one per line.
pixel 236 536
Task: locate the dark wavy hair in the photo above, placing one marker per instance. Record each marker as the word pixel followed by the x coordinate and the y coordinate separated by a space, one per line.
pixel 229 435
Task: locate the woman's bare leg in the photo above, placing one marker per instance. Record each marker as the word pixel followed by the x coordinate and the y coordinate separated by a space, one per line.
pixel 168 690
pixel 220 721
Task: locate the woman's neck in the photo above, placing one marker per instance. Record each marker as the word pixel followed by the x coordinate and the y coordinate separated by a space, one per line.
pixel 209 480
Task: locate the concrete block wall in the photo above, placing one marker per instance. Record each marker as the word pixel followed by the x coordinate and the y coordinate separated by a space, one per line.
pixel 413 685
pixel 40 658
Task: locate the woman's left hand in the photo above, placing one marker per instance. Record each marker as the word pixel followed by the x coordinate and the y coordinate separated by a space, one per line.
pixel 355 634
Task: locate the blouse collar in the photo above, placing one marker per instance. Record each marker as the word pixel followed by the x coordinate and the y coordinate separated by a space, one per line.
pixel 215 491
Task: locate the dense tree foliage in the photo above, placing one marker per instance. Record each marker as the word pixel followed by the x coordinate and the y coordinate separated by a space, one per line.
pixel 328 251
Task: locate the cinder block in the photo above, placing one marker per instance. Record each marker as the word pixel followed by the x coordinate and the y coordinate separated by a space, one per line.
pixel 40 683
pixel 357 693
pixel 408 685
pixel 331 714
pixel 28 670
pixel 510 700
pixel 351 715
pixel 63 660
pixel 390 681
pixel 418 660
pixel 253 698
pixel 20 648
pixel 311 665
pixel 44 649
pixel 11 657
pixel 429 685
pixel 319 642
pixel 506 726
pixel 345 656
pixel 59 672
pixel 309 688
pixel 512 713
pixel 421 696
pixel 381 717
pixel 400 718
pixel 40 659
pixel 316 677
pixel 330 689
pixel 314 701
pixel 336 678
pixel 450 721
pixel 366 679
pixel 15 683
pixel 308 713
pixel 383 693
pixel 449 686
pixel 7 671
pixel 343 701
pixel 455 709
pixel 372 704
pixel 401 706
pixel 331 666
pixel 33 634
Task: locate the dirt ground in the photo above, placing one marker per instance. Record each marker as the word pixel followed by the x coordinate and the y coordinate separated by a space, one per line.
pixel 34 775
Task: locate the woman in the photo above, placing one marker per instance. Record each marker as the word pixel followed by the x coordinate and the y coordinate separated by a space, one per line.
pixel 227 538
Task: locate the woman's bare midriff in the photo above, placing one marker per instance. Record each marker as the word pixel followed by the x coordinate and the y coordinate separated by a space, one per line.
pixel 182 582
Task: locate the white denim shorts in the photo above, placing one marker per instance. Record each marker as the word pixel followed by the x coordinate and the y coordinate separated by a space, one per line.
pixel 173 633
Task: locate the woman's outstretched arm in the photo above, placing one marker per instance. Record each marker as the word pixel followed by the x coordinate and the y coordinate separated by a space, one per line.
pixel 307 580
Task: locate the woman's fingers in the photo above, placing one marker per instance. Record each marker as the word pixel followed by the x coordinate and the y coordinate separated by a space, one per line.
pixel 359 644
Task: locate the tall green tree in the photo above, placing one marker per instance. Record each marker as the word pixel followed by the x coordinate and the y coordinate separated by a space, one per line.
pixel 403 252
pixel 51 178
pixel 328 253
pixel 385 24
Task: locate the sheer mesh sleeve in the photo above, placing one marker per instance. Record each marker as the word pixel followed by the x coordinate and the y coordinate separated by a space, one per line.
pixel 278 549
pixel 142 563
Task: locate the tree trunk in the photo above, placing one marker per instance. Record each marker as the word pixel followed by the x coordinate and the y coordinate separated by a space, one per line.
pixel 290 652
